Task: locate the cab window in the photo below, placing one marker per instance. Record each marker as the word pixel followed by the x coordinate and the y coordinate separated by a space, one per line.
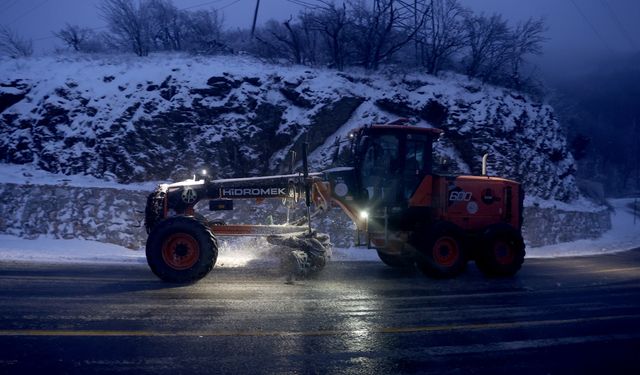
pixel 416 162
pixel 380 164
pixel 418 155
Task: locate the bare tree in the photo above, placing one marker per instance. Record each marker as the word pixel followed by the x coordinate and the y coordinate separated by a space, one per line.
pixel 311 38
pixel 379 31
pixel 488 42
pixel 167 24
pixel 266 45
pixel 14 46
pixel 443 33
pixel 293 41
pixel 104 42
pixel 331 21
pixel 74 36
pixel 284 39
pixel 526 38
pixel 203 32
pixel 130 22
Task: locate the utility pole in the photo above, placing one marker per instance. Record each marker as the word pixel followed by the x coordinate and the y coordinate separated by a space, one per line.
pixel 255 18
pixel 431 65
pixel 637 157
pixel 636 129
pixel 415 25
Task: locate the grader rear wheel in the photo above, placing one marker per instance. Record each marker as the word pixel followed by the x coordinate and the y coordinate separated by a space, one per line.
pixel 440 251
pixel 502 251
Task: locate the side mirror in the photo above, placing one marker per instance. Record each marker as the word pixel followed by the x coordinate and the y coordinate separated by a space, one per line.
pixel 445 164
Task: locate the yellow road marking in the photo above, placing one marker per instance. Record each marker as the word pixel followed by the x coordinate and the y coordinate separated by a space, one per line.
pixel 392 330
pixel 617 270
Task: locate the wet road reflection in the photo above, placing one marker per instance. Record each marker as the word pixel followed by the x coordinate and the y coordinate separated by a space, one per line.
pixel 556 315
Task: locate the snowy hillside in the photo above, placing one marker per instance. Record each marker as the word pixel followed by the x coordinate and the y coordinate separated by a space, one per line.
pixel 161 117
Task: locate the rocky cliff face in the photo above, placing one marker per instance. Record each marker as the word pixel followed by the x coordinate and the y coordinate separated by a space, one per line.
pixel 105 215
pixel 112 215
pixel 161 118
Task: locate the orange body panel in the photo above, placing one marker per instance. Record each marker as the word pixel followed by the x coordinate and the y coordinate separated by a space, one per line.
pixel 233 230
pixel 470 202
pixel 423 197
pixel 254 230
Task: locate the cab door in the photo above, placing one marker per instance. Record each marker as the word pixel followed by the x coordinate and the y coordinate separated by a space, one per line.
pixel 417 162
pixel 381 170
pixel 392 167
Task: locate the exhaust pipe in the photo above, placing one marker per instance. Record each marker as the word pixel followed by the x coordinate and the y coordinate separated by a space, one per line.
pixel 484 164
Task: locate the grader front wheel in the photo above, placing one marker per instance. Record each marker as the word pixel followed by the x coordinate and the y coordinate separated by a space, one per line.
pixel 181 250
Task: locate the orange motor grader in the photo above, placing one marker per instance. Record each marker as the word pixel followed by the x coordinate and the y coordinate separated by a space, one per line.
pixel 400 207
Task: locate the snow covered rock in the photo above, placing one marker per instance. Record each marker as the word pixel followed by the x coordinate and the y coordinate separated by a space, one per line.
pixel 162 117
pixel 11 93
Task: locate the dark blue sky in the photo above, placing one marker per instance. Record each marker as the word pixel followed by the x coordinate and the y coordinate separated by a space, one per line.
pixel 579 30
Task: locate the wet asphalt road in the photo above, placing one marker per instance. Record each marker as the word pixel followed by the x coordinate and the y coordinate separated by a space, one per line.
pixel 557 316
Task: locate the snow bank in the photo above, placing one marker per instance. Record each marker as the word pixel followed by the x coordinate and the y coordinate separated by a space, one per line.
pixel 49 250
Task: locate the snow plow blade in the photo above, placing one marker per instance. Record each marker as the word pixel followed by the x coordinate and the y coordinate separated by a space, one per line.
pixel 309 253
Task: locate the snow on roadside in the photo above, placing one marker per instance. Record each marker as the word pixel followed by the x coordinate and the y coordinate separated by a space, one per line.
pixel 26 174
pixel 624 235
pixel 48 250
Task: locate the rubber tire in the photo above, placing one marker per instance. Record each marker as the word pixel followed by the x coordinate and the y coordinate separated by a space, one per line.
pixel 489 261
pixel 443 234
pixel 395 261
pixel 188 227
